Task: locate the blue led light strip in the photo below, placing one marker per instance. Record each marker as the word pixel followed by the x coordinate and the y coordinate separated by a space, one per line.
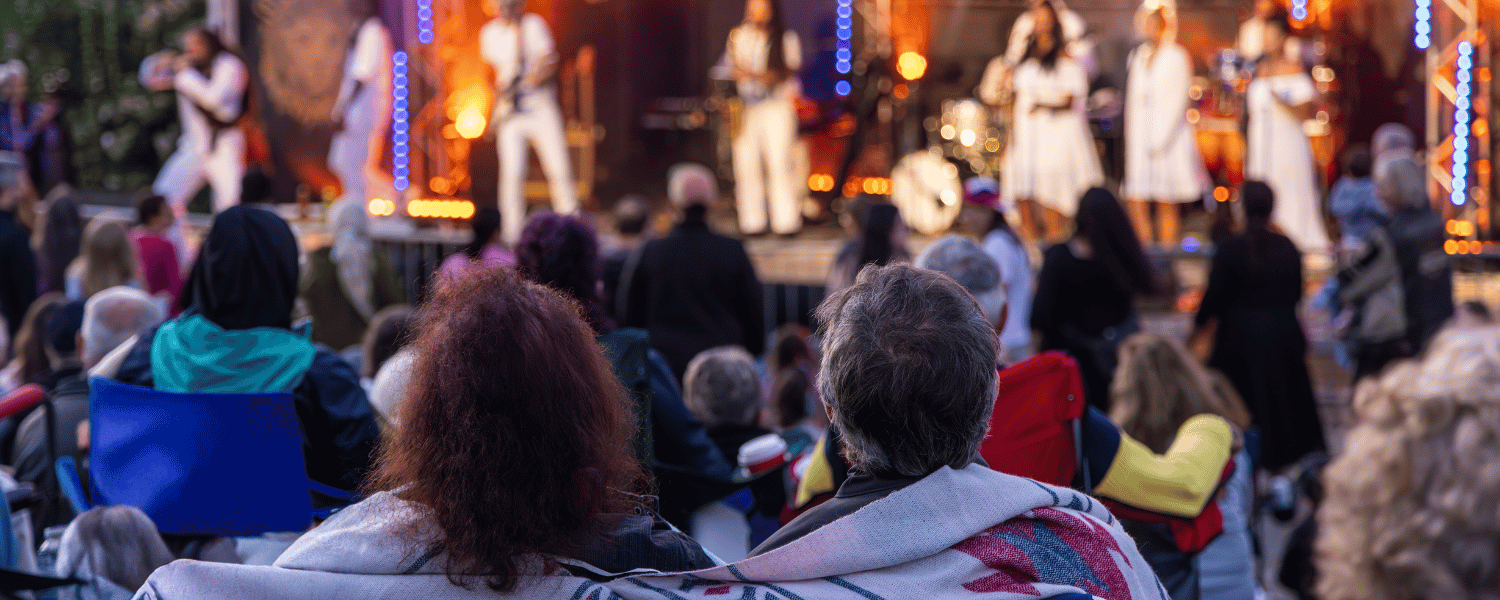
pixel 1462 74
pixel 400 127
pixel 1422 25
pixel 844 55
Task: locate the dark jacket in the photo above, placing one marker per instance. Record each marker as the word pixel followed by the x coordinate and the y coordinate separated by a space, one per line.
pixel 34 459
pixel 694 290
pixel 1426 272
pixel 339 433
pixel 18 276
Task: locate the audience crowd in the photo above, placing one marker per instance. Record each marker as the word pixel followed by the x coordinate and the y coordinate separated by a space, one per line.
pixel 594 415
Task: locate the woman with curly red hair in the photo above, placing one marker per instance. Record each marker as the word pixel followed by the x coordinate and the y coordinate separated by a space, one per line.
pixel 511 462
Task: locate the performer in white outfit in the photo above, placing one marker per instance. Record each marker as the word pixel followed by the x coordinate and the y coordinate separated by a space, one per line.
pixel 998 72
pixel 364 109
pixel 766 57
pixel 519 46
pixel 1162 162
pixel 1050 159
pixel 211 85
pixel 1279 153
pixel 1252 38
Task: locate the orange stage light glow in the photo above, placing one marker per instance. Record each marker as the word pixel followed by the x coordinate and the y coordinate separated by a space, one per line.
pixel 440 209
pixel 1221 194
pixel 911 66
pixel 381 207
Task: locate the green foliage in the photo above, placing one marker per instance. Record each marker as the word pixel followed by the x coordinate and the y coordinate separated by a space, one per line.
pixel 88 51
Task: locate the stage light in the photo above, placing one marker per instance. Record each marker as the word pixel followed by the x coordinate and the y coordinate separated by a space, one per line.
pixel 440 209
pixel 1462 127
pixel 424 21
pixel 470 123
pixel 381 207
pixel 1423 25
pixel 1190 244
pixel 845 52
pixel 841 88
pixel 911 66
pixel 1221 194
pixel 400 158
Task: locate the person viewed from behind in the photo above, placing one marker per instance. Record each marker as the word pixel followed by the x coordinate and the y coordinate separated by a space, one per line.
pixel 386 343
pixel 28 355
pixel 1158 387
pixel 18 278
pixel 57 239
pixel 483 250
pixel 1354 202
pixel 909 378
pixel 1017 277
pixel 113 550
pixel 511 469
pixel 882 241
pixel 695 289
pixel 110 318
pixel 1402 282
pixel 158 255
pixel 722 389
pixel 1390 142
pixel 1163 167
pixel 1250 310
pixel 632 221
pixel 349 280
pixel 1085 294
pixel 1408 509
pixel 108 259
pixel 235 336
pixel 562 252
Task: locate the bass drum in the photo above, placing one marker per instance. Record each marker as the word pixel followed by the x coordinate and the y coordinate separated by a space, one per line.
pixel 926 189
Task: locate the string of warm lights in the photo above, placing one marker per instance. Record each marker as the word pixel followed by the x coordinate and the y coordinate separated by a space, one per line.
pixel 440 209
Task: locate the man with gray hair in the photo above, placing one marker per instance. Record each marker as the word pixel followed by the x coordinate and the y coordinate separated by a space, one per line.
pixel 110 318
pixel 695 289
pixel 970 266
pixel 909 379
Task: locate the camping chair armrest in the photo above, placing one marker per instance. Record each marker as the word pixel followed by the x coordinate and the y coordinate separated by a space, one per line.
pixel 72 486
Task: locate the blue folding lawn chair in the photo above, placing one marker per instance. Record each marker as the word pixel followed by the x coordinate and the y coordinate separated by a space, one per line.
pixel 197 464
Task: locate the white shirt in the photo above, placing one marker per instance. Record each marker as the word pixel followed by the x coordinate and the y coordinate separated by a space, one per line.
pixel 749 50
pixel 499 47
pixel 221 93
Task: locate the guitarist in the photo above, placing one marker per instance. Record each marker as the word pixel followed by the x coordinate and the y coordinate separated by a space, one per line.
pixel 519 46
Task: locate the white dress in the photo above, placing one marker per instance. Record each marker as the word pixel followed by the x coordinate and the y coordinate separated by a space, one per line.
pixel 1162 161
pixel 1051 156
pixel 1279 153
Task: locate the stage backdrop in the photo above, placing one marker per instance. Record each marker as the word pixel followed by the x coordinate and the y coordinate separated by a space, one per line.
pixel 296 51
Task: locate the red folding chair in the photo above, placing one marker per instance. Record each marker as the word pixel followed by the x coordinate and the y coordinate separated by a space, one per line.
pixel 1035 429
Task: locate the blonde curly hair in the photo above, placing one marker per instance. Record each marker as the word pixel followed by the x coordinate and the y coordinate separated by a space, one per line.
pixel 1412 507
pixel 1159 385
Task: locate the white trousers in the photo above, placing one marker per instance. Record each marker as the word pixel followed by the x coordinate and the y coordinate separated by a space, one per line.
pixel 764 169
pixel 185 173
pixel 539 121
pixel 223 168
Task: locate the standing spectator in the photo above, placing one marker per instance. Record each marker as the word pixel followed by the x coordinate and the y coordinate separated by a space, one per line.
pixel 57 238
pixel 882 241
pixel 159 266
pixel 1158 387
pixel 1017 277
pixel 1085 295
pixel 1250 309
pixel 1353 200
pixel 1391 141
pixel 18 278
pixel 235 336
pixel 1409 510
pixel 696 289
pixel 483 250
pixel 110 318
pixel 632 217
pixel 349 280
pixel 107 259
pixel 30 129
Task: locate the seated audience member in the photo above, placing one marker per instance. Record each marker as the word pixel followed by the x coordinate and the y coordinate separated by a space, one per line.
pixel 28 352
pixel 106 260
pixel 909 378
pixel 113 550
pixel 159 266
pixel 59 344
pixel 1409 506
pixel 346 282
pixel 695 289
pixel 385 346
pixel 57 239
pixel 483 250
pixel 235 336
pixel 796 411
pixel 388 388
pixel 881 241
pixel 969 265
pixel 511 469
pixel 632 217
pixel 1178 484
pixel 1158 386
pixel 110 318
pixel 18 278
pixel 723 390
pixel 562 252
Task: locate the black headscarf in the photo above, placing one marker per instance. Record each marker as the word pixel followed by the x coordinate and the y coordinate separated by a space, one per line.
pixel 246 272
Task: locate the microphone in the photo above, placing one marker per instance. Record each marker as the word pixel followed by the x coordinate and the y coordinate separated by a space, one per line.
pixel 21 400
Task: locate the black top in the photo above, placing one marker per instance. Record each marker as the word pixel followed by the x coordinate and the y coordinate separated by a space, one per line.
pixel 857 492
pixel 694 290
pixel 1236 282
pixel 1076 292
pixel 18 277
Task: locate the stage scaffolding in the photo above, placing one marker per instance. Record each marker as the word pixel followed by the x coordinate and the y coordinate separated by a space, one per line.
pixel 1455 36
